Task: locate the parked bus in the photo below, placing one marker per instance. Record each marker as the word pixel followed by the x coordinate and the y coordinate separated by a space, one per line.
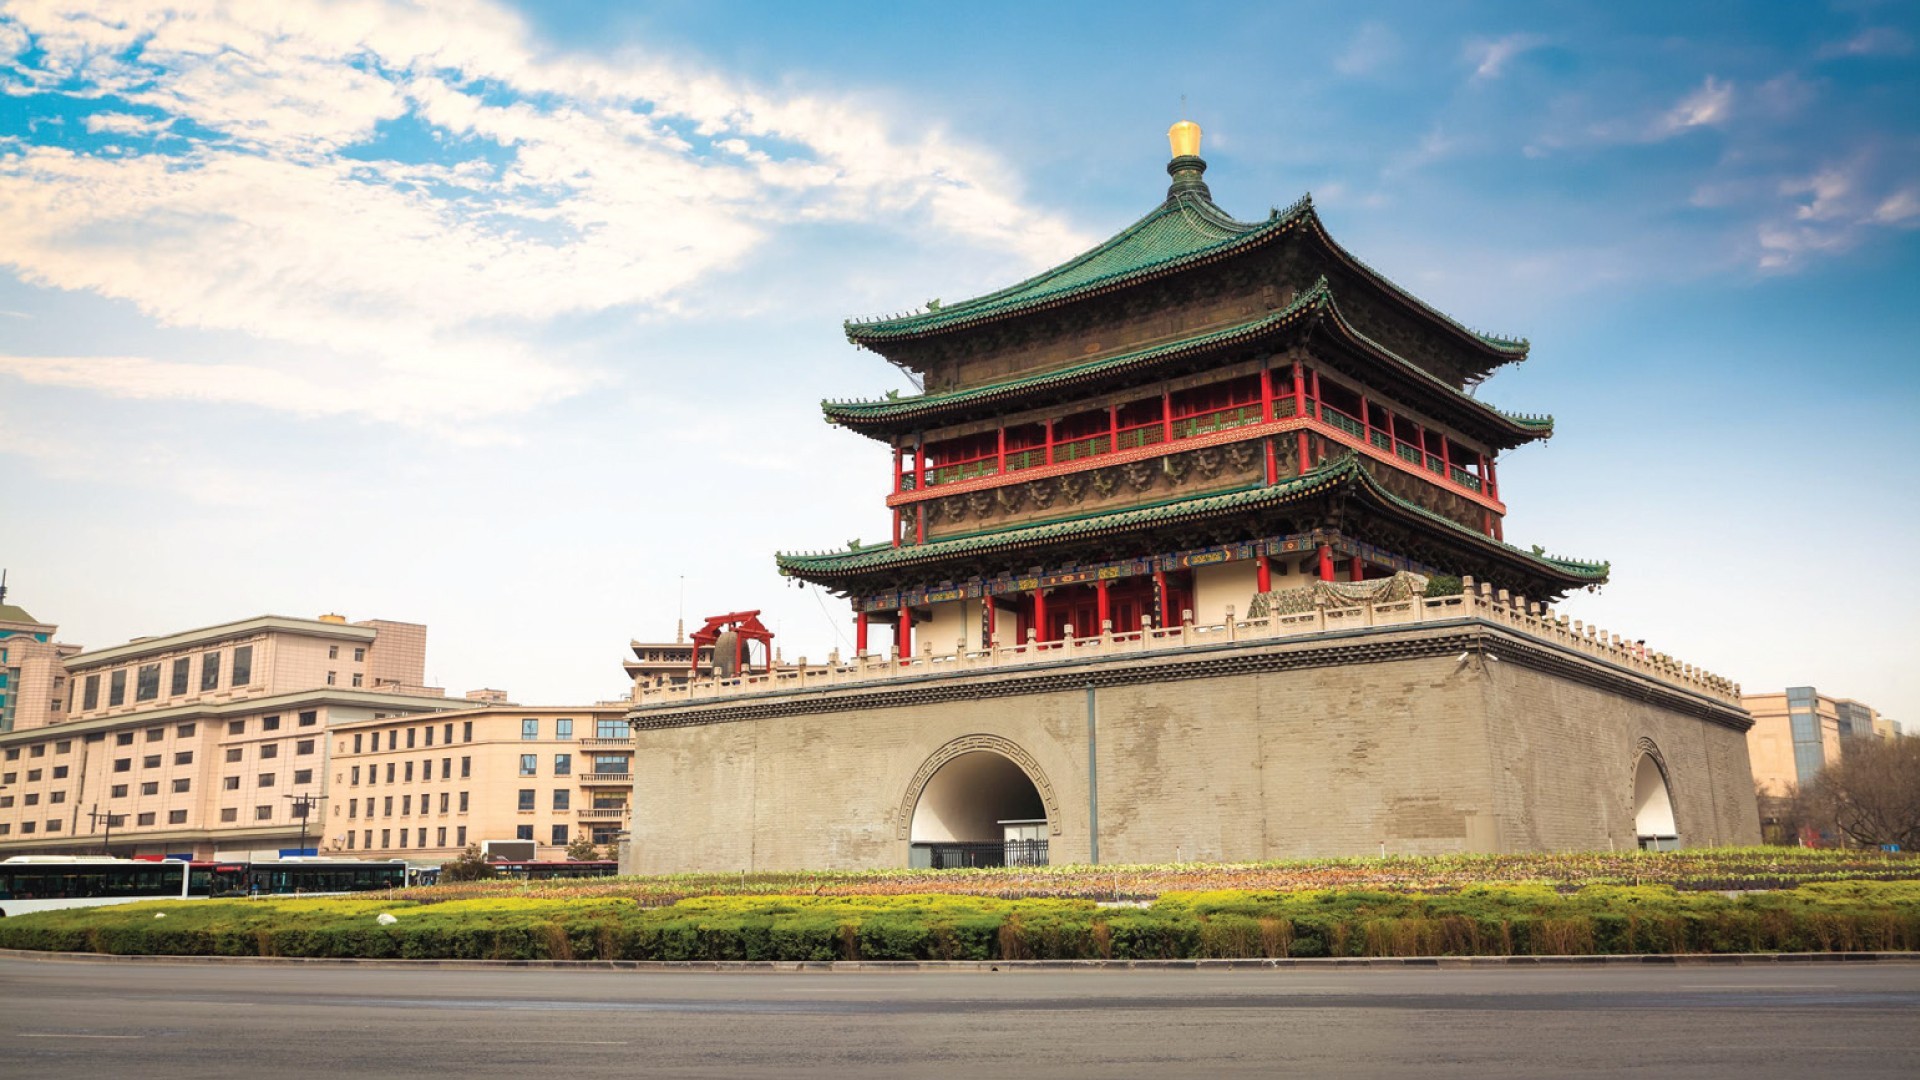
pixel 50 882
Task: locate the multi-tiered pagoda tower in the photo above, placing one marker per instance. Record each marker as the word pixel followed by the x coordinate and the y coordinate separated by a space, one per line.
pixel 1197 411
pixel 1167 522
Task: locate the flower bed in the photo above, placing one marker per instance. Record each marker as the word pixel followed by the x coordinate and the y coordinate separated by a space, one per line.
pixel 1477 920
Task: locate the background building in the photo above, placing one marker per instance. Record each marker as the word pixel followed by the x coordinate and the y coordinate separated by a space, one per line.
pixel 1799 731
pixel 199 742
pixel 424 787
pixel 33 676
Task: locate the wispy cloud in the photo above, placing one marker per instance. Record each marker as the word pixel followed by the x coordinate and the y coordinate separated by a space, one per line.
pixel 1710 105
pixel 1834 210
pixel 1490 56
pixel 405 196
pixel 1873 41
pixel 1374 48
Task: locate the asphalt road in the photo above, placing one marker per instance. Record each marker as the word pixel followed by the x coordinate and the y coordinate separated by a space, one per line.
pixel 111 1020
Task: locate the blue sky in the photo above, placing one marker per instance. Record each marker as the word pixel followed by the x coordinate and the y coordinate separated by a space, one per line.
pixel 508 319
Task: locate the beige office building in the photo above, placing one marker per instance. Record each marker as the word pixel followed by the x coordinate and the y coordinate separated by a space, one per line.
pixel 424 787
pixel 198 743
pixel 1799 731
pixel 33 673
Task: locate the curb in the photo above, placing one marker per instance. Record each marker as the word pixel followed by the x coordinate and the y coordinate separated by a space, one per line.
pixel 818 967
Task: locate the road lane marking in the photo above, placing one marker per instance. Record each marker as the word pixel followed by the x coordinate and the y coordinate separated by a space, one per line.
pixel 1761 986
pixel 68 1035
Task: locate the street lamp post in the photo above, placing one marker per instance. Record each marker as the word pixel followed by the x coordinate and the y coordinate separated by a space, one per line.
pixel 303 808
pixel 108 819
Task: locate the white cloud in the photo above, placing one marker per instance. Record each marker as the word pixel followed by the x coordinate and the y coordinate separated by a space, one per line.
pixel 399 200
pixel 1834 210
pixel 1710 105
pixel 1490 57
pixel 1373 48
pixel 1873 41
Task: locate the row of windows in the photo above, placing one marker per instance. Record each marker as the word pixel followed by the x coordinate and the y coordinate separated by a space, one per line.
pixel 406 776
pixel 361 743
pixel 359 653
pixel 406 804
pixel 124 738
pixel 440 837
pixel 603 764
pixel 310 718
pixel 146 680
pixel 174 817
pixel 614 728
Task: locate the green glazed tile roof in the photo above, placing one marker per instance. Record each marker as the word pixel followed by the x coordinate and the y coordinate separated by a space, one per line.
pixel 1185 229
pixel 15 613
pixel 1345 470
pixel 874 413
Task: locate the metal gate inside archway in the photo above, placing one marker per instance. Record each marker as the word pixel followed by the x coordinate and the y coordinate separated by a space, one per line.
pixel 979 809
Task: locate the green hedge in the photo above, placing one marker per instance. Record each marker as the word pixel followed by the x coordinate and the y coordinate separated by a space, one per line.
pixel 1489 920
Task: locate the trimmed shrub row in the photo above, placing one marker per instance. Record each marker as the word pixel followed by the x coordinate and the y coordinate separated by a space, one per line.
pixel 1488 920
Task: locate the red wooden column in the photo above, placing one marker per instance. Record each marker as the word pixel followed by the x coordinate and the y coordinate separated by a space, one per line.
pixel 860 634
pixel 1001 466
pixel 1266 394
pixel 1485 488
pixel 1446 459
pixel 1299 391
pixel 1493 480
pixel 920 523
pixel 1113 428
pixel 1049 442
pixel 1366 421
pixel 1326 563
pixel 1356 569
pixel 1316 396
pixel 899 524
pixel 1263 575
pixel 1273 463
pixel 1039 614
pixel 1166 415
pixel 903 637
pixel 993 623
pixel 1105 612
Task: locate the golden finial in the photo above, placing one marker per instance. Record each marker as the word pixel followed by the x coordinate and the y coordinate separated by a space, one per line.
pixel 1184 138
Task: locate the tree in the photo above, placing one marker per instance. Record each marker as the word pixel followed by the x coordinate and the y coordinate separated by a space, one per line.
pixel 1872 794
pixel 582 850
pixel 470 866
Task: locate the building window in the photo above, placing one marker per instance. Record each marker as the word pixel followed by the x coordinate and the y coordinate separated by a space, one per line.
pixel 90 696
pixel 177 684
pixel 144 819
pixel 333 678
pixel 151 761
pixel 356 678
pixel 610 729
pixel 269 750
pixel 563 764
pixel 443 802
pixel 234 753
pixel 230 814
pixel 526 798
pixel 609 763
pixel 386 837
pixel 155 734
pixel 303 747
pixel 184 731
pixel 124 764
pixel 460 836
pixel 403 838
pixel 356 742
pixel 463 802
pixel 393 739
pixel 118 791
pixel 57 797
pixel 466 767
pixel 446 768
pixel 117 688
pixel 449 738
pixel 182 784
pixel 125 738
pixel 353 809
pixel 176 817
pixel 149 787
pixel 529 764
pixel 266 779
pixel 410 737
pixel 333 652
pixel 269 723
pixel 59 772
pixel 210 671
pixel 523 832
pixel 563 728
pixel 303 776
pixel 184 757
pixel 359 654
pixel 263 813
pixel 466 731
pixel 560 835
pixel 236 727
pixel 230 783
pixel 562 799
pixel 33 798
pixel 529 729
pixel 354 773
pixel 440 837
pixel 429 739
pixel 146 684
pixel 406 806
pixel 386 806
pixel 389 772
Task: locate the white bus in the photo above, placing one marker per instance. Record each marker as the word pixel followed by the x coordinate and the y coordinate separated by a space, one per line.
pixel 51 882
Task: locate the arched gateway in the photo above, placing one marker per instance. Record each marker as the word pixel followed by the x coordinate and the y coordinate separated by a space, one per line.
pixel 978 801
pixel 1653 822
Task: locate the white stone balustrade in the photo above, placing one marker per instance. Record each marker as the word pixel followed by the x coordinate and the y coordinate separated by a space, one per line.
pixel 1476 600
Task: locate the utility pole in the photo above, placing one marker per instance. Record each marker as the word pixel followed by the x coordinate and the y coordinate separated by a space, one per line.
pixel 302 808
pixel 108 819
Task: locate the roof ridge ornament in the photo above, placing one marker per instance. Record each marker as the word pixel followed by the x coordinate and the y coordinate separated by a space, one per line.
pixel 1186 168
